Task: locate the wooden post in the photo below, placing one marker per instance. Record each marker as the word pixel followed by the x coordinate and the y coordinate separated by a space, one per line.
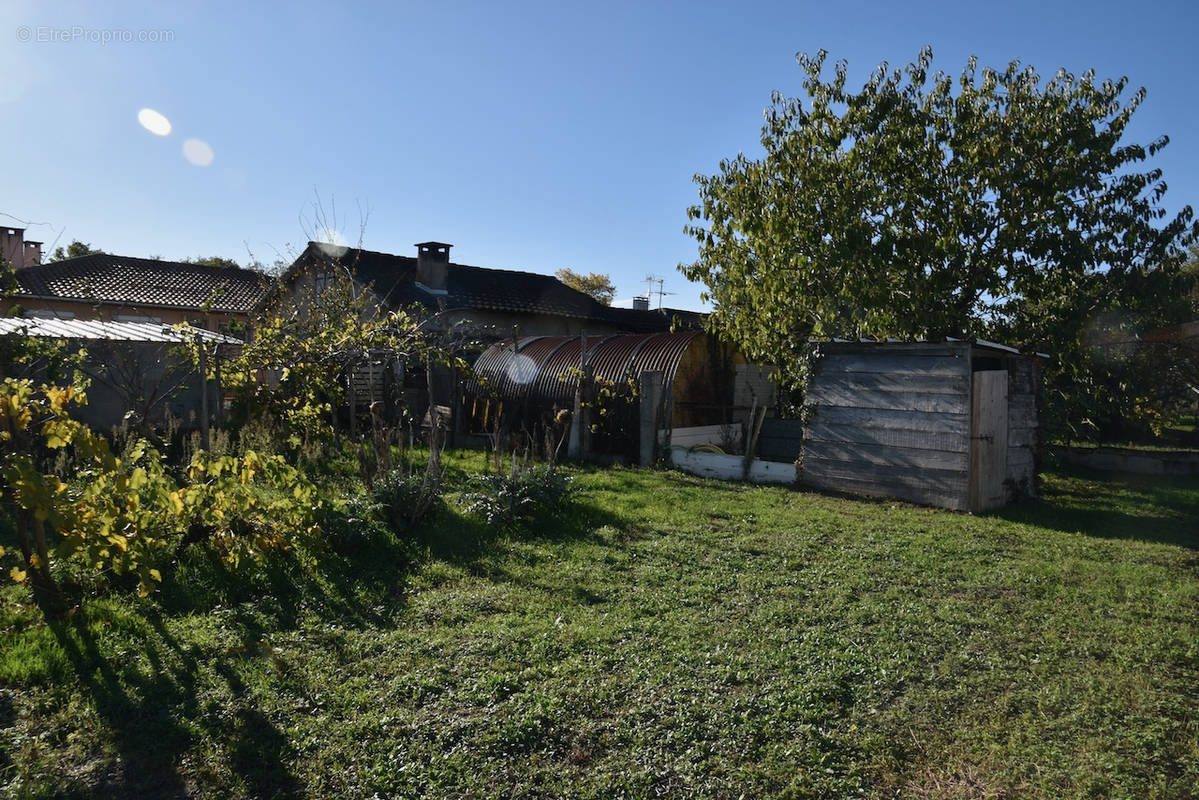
pixel 220 392
pixel 204 441
pixel 353 401
pixel 757 416
pixel 575 448
pixel 588 411
pixel 651 403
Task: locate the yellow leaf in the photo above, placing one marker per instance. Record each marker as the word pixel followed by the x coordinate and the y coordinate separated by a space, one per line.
pixel 17 574
pixel 138 479
pixel 156 575
pixel 176 502
pixel 35 561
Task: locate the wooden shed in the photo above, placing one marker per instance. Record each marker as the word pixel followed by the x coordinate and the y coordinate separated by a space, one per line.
pixel 950 424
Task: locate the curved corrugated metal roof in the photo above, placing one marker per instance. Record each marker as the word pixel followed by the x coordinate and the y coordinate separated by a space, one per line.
pixel 509 365
pixel 536 368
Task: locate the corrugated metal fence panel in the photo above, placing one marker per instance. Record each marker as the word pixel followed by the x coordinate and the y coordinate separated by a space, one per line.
pixel 891 421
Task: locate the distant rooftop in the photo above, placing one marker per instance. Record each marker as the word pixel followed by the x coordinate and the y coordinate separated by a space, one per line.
pixel 489 289
pixel 106 278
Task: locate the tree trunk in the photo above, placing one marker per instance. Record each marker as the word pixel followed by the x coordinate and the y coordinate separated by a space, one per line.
pixel 45 591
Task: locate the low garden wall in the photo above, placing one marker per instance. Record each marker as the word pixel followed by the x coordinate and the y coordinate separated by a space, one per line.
pixel 732 468
pixel 1124 459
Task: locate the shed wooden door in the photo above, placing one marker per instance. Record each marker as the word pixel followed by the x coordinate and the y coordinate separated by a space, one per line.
pixel 988 440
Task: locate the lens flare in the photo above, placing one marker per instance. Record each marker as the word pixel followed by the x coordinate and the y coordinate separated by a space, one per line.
pixel 197 152
pixel 154 122
pixel 521 369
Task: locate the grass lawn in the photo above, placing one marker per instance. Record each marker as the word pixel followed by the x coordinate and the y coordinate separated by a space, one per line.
pixel 669 637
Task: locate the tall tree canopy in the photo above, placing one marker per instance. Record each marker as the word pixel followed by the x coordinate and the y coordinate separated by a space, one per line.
pixel 213 261
pixel 76 249
pixel 596 284
pixel 993 205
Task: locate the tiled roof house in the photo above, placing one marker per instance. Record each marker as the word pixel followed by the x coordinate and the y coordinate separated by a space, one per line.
pixel 496 299
pixel 125 289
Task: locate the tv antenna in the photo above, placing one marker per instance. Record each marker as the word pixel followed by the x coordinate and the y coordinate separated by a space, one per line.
pixel 650 280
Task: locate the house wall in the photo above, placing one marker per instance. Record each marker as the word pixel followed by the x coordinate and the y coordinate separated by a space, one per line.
pixel 150 369
pixel 892 421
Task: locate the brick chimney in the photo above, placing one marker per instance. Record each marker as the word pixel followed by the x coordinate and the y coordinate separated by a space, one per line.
pixel 33 253
pixel 432 266
pixel 641 304
pixel 12 246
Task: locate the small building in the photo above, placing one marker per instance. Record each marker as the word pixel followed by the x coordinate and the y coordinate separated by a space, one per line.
pixel 480 304
pixel 138 375
pixel 527 378
pixel 490 301
pixel 950 424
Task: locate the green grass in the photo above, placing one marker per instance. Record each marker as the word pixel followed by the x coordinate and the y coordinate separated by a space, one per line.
pixel 670 637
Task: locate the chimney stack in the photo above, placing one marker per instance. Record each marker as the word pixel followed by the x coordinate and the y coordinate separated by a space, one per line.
pixel 33 253
pixel 432 266
pixel 12 246
pixel 641 304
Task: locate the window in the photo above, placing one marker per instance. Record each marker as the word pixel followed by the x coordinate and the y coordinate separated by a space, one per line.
pixel 135 318
pixel 321 281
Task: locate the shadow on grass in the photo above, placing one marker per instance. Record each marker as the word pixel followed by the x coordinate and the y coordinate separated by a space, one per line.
pixel 355 574
pixel 468 541
pixel 160 699
pixel 142 700
pixel 156 695
pixel 1142 507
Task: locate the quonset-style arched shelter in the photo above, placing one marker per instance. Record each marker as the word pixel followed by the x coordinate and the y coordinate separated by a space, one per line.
pixel 539 373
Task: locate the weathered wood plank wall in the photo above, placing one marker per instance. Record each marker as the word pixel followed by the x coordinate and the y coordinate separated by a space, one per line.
pixel 1022 438
pixel 780 440
pixel 893 422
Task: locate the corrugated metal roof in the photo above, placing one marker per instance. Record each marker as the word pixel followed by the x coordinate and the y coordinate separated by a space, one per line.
pixel 535 367
pixel 111 331
pixel 982 343
pixel 554 382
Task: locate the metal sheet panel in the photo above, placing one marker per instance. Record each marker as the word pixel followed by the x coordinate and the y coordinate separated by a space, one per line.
pixel 613 358
pixel 94 329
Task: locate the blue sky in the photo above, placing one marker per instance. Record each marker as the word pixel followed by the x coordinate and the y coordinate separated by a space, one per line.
pixel 530 135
